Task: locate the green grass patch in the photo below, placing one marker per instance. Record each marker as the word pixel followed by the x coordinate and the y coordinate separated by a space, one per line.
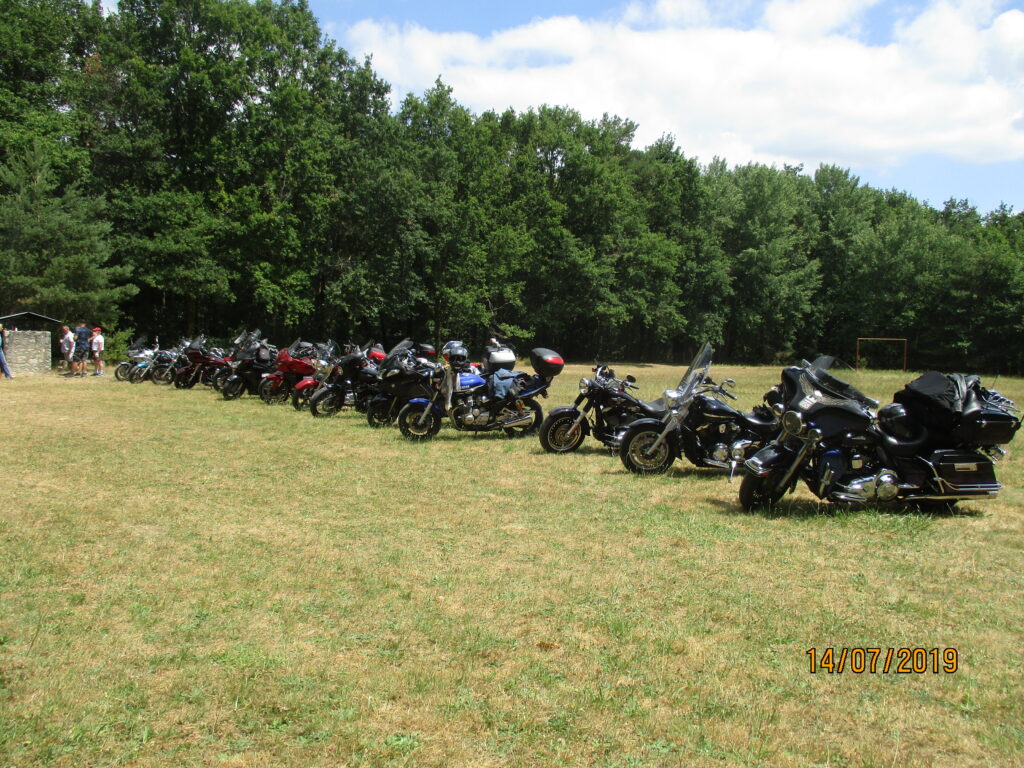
pixel 187 581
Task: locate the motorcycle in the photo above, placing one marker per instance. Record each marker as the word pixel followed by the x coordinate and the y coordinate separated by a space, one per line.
pixel 404 374
pixel 695 422
pixel 349 382
pixel 254 359
pixel 608 410
pixel 166 362
pixel 323 367
pixel 198 365
pixel 936 444
pixel 292 365
pixel 138 353
pixel 501 400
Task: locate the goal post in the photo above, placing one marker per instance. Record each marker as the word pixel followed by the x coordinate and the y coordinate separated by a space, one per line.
pixel 903 341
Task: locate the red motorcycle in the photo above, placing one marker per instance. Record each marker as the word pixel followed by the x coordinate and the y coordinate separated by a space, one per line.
pixel 293 364
pixel 198 364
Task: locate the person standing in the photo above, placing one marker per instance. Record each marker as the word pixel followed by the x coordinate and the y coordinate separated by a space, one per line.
pixel 96 342
pixel 82 337
pixel 67 346
pixel 3 354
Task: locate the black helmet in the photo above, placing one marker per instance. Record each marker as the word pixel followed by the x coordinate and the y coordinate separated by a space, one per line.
pixel 455 353
pixel 895 421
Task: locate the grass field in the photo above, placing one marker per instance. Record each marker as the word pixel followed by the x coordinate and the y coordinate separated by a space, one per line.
pixel 190 582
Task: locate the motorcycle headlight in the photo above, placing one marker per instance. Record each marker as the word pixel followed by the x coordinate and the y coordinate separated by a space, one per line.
pixel 584 386
pixel 793 422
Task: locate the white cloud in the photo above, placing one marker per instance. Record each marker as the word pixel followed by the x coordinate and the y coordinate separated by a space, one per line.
pixel 799 86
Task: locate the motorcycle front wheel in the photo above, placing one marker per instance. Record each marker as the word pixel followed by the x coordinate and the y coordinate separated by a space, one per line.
pixel 300 398
pixel 163 375
pixel 554 432
pixel 758 492
pixel 411 426
pixel 122 371
pixel 220 377
pixel 232 390
pixel 138 374
pixel 634 450
pixel 326 402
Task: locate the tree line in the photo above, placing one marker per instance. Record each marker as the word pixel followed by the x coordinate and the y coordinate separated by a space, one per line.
pixel 206 165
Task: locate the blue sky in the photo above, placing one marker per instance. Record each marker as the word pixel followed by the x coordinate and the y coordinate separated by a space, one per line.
pixel 925 96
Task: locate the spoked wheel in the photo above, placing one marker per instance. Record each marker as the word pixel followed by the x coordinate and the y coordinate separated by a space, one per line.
pixel 554 432
pixel 378 414
pixel 635 452
pixel 326 402
pixel 138 374
pixel 759 492
pixel 163 375
pixel 530 408
pixel 272 395
pixel 417 421
pixel 122 371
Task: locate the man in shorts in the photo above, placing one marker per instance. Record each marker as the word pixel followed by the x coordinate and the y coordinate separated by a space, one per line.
pixel 67 346
pixel 82 336
pixel 96 343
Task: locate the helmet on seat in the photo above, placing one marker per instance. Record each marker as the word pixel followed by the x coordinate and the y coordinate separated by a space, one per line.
pixel 895 420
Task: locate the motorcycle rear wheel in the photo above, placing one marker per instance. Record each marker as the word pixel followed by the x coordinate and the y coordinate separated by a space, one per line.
pixel 633 452
pixel 379 414
pixel 409 422
pixel 529 427
pixel 554 433
pixel 755 491
pixel 270 394
pixel 325 403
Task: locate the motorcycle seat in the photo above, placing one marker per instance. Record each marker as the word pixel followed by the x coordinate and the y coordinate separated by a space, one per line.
pixel 655 408
pixel 759 424
pixel 905 447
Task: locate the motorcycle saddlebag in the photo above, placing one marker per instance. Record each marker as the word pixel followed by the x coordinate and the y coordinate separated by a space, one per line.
pixel 965 471
pixel 987 426
pixel 546 363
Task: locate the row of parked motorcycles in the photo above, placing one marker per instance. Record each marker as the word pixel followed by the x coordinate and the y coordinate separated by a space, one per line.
pixel 937 443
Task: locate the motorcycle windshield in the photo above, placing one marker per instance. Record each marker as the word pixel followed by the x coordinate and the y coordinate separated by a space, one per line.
pixel 197 342
pixel 396 350
pixel 696 373
pixel 819 372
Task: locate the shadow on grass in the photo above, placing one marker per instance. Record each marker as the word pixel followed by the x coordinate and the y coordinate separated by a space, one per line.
pixel 804 509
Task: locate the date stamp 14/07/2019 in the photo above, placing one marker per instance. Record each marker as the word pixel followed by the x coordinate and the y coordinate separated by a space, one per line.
pixel 900 661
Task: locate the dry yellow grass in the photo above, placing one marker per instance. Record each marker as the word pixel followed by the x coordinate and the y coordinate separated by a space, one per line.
pixel 186 581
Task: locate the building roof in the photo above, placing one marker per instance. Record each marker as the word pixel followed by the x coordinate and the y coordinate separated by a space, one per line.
pixel 32 315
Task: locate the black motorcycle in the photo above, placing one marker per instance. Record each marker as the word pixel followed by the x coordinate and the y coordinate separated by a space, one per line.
pixel 349 382
pixel 695 422
pixel 936 444
pixel 607 410
pixel 253 360
pixel 404 374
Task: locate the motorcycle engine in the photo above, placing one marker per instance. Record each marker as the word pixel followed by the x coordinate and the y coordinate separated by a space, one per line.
pixel 468 412
pixel 851 479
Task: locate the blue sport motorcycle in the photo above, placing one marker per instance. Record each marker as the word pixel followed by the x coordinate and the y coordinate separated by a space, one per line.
pixel 501 399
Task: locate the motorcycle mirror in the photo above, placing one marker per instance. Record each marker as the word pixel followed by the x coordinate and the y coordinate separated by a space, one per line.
pixel 631 378
pixel 729 383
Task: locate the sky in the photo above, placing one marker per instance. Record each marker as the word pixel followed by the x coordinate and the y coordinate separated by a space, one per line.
pixel 923 96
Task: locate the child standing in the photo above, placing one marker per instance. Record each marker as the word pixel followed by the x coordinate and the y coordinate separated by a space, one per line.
pixel 96 342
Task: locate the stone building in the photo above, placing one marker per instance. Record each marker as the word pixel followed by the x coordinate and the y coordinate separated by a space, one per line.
pixel 28 352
